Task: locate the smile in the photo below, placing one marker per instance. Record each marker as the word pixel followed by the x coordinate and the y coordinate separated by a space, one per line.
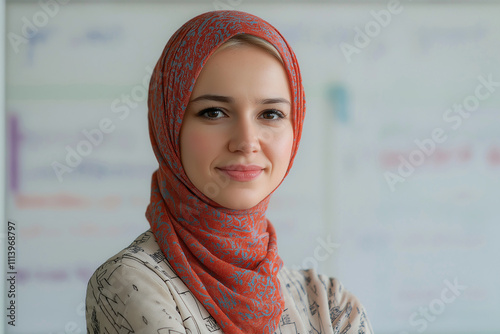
pixel 241 173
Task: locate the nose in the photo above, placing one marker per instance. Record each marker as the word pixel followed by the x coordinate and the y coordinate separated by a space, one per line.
pixel 245 136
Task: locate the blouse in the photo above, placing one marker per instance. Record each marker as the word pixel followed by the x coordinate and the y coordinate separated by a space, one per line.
pixel 137 291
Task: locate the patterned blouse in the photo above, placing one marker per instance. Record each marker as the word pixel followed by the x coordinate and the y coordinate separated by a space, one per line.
pixel 137 291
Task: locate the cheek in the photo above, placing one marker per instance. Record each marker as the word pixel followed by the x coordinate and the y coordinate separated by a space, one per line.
pixel 281 147
pixel 194 143
pixel 197 149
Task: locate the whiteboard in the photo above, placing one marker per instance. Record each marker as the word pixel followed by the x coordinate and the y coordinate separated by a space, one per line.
pixel 396 179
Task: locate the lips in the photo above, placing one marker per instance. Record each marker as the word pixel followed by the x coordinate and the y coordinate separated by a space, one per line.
pixel 241 173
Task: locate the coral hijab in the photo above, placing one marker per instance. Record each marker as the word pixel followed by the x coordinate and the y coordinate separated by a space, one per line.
pixel 228 258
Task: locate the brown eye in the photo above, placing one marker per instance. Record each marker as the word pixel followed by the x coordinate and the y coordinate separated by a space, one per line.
pixel 272 114
pixel 211 113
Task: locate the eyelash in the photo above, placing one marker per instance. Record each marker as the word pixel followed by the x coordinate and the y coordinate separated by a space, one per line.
pixel 203 113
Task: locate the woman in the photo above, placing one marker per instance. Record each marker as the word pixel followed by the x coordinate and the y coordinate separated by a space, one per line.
pixel 226 107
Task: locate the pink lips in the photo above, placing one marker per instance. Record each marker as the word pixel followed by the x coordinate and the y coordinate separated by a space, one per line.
pixel 242 173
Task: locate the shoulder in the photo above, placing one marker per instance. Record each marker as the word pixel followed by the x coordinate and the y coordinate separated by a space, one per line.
pixel 136 263
pixel 130 291
pixel 322 301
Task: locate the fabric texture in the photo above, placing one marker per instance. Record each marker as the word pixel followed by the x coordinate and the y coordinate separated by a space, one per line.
pixel 228 258
pixel 137 291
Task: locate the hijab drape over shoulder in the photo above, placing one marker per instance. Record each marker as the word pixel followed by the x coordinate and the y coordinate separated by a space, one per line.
pixel 227 258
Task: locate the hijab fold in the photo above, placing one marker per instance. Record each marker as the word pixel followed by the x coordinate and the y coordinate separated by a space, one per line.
pixel 227 258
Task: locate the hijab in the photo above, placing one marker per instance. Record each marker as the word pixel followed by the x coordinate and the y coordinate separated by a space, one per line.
pixel 227 258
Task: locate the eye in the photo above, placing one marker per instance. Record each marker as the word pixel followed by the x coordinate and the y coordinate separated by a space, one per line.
pixel 212 113
pixel 272 114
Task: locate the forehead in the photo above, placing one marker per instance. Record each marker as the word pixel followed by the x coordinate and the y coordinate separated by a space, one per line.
pixel 244 66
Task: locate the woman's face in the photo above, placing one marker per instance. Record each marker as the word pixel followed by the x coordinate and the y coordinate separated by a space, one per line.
pixel 236 136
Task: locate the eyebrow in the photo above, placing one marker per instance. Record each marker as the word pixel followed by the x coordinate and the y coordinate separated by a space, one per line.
pixel 227 99
pixel 211 97
pixel 274 100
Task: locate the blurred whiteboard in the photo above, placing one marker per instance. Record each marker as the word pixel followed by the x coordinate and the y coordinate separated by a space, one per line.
pixel 396 248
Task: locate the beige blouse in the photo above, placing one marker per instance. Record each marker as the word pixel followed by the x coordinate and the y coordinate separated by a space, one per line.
pixel 137 291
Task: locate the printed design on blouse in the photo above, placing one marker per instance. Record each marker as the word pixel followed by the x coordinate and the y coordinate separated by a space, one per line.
pixel 312 302
pixel 317 304
pixel 108 290
pixel 108 302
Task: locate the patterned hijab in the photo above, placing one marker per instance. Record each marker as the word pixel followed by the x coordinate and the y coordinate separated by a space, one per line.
pixel 227 258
